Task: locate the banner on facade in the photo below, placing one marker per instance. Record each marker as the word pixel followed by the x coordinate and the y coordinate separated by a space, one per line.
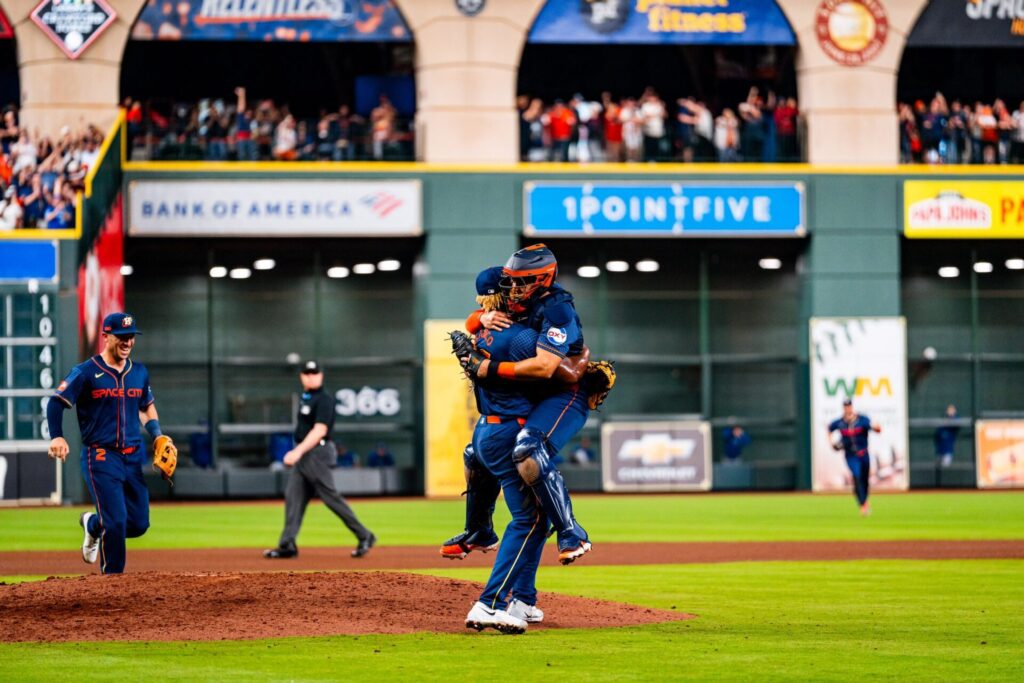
pixel 969 23
pixel 656 456
pixel 73 26
pixel 450 411
pixel 272 20
pixel 723 22
pixel 663 209
pixel 100 282
pixel 279 208
pixel 999 445
pixel 23 261
pixel 864 360
pixel 963 209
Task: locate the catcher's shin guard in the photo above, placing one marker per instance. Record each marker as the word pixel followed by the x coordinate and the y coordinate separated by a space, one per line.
pixel 482 490
pixel 548 485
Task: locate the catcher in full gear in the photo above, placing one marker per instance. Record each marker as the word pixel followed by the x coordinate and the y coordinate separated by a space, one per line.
pixel 530 294
pixel 113 398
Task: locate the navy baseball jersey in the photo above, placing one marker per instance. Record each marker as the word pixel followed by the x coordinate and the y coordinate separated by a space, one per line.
pixel 501 397
pixel 108 402
pixel 855 434
pixel 554 317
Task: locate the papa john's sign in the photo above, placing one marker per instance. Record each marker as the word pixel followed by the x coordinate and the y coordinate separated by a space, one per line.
pixel 958 209
pixel 656 456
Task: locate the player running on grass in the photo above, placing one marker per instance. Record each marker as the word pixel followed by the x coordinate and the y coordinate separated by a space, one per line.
pixel 853 430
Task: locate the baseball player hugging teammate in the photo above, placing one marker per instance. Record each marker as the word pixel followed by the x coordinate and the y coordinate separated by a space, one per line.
pixel 112 397
pixel 529 331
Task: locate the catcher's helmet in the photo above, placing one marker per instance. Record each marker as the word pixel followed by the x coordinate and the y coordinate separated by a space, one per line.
pixel 528 272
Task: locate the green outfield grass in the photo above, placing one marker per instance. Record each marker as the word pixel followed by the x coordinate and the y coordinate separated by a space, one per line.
pixel 763 517
pixel 864 620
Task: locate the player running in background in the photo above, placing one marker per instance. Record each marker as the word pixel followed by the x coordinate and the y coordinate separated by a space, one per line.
pixel 853 430
pixel 112 397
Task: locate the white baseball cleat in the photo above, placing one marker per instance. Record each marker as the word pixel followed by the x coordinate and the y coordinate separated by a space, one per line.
pixel 481 617
pixel 90 544
pixel 531 614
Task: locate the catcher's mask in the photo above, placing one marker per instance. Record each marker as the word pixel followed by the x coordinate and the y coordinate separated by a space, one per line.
pixel 529 272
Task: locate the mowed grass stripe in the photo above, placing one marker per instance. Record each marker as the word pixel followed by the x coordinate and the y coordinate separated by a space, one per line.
pixel 781 517
pixel 873 620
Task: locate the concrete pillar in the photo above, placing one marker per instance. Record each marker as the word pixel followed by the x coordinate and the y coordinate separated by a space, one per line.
pixel 850 110
pixel 58 91
pixel 466 71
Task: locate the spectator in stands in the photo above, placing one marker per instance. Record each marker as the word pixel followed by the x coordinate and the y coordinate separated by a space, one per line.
pixel 346 457
pixel 632 130
pixel 349 132
pixel 59 213
pixel 10 210
pixel 734 440
pixel 588 129
pixel 785 129
pixel 956 134
pixel 381 456
pixel 562 122
pixel 910 141
pixel 1017 140
pixel 382 121
pixel 945 438
pixel 686 123
pixel 612 129
pixel 539 147
pixel 326 140
pixel 522 106
pixel 752 133
pixel 1004 126
pixel 9 131
pixel 584 454
pixel 245 144
pixel 653 113
pixel 286 139
pixel 988 133
pixel 933 125
pixel 216 133
pixel 771 142
pixel 727 138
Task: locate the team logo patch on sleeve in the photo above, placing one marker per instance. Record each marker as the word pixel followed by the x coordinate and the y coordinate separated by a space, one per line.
pixel 556 335
pixel 62 386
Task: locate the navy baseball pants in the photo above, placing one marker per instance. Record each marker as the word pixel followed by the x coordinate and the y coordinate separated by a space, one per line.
pixel 525 535
pixel 860 468
pixel 118 489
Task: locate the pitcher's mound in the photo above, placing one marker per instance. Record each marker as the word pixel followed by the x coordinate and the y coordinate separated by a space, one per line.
pixel 228 606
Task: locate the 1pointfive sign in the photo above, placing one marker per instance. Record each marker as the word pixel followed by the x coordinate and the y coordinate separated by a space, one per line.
pixel 73 24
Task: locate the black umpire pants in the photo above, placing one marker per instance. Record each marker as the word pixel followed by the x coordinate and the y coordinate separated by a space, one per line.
pixel 312 476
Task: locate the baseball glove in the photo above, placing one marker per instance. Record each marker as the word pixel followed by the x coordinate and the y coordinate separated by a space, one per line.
pixel 598 379
pixel 165 456
pixel 465 350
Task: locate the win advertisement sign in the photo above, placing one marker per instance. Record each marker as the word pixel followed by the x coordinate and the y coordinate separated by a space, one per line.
pixel 863 360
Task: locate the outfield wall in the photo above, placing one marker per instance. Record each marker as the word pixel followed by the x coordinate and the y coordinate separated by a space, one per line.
pixel 711 334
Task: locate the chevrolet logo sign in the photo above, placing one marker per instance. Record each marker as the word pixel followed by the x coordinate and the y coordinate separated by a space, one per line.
pixel 657 449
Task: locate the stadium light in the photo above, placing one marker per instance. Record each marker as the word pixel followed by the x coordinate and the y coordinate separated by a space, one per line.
pixel 239 273
pixel 264 264
pixel 1015 264
pixel 218 271
pixel 647 266
pixel 337 272
pixel 617 266
pixel 588 271
pixel 949 271
pixel 388 265
pixel 982 267
pixel 770 263
pixel 127 270
pixel 363 268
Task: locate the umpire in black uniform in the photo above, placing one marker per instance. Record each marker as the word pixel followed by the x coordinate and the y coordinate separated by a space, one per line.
pixel 313 459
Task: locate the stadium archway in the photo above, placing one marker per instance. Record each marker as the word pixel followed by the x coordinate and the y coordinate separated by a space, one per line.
pixel 629 50
pixel 186 61
pixel 969 51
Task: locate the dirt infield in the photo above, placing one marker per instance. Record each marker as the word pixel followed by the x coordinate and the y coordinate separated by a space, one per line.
pixel 237 606
pixel 48 563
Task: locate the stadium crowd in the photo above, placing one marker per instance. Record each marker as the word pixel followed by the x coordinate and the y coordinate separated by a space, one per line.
pixel 243 130
pixel 762 128
pixel 944 132
pixel 40 175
